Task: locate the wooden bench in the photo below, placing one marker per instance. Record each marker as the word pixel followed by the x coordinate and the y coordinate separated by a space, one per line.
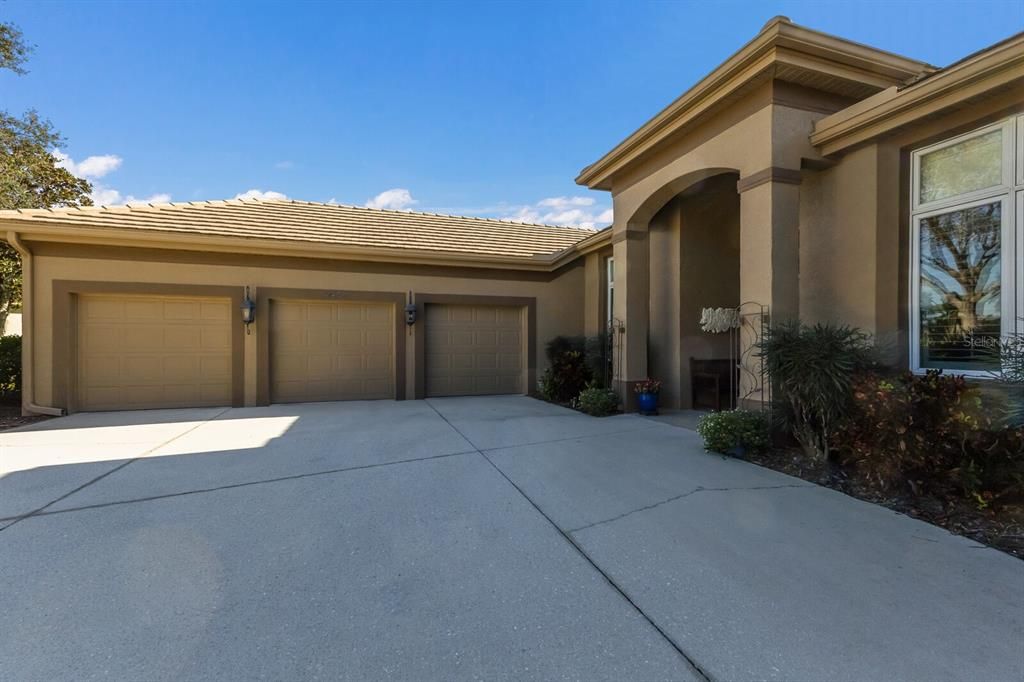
pixel 710 385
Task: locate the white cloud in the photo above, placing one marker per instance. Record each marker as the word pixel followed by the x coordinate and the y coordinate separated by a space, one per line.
pixel 562 202
pixel 260 194
pixel 94 167
pixel 91 167
pixel 107 196
pixel 396 199
pixel 570 211
pixel 161 198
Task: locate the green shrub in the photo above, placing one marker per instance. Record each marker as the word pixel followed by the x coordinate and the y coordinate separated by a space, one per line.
pixel 10 368
pixel 723 431
pixel 1011 374
pixel 930 433
pixel 568 373
pixel 812 369
pixel 597 401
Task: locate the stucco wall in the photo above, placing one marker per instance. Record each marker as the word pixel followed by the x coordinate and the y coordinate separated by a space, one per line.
pixel 838 233
pixel 855 228
pixel 559 297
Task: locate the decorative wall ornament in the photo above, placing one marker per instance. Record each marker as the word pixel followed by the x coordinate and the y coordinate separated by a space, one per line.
pixel 719 320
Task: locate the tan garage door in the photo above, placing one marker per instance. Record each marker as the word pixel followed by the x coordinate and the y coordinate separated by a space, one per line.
pixel 141 352
pixel 474 350
pixel 331 350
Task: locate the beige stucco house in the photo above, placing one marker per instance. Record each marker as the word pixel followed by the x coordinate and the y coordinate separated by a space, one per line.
pixel 807 176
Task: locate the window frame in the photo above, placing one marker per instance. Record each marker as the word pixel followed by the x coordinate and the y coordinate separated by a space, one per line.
pixel 1007 171
pixel 609 291
pixel 1010 194
pixel 1005 301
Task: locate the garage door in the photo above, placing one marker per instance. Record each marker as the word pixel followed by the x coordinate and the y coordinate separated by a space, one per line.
pixel 474 350
pixel 141 352
pixel 331 350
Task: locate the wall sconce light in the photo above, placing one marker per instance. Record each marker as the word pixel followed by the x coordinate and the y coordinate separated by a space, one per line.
pixel 410 314
pixel 248 310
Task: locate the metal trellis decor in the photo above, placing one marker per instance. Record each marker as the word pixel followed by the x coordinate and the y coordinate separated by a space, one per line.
pixel 751 375
pixel 747 325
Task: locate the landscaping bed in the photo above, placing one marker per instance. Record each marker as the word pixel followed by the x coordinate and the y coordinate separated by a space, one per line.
pixel 935 446
pixel 1001 527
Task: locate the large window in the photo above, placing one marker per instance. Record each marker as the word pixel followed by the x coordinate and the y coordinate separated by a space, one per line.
pixel 967 287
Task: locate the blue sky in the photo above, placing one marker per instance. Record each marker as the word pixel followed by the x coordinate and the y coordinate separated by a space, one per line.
pixel 475 108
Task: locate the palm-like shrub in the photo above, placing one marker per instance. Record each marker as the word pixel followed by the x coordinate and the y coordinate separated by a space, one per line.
pixel 812 370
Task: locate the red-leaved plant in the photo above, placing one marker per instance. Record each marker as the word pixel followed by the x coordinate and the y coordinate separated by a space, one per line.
pixel 648 385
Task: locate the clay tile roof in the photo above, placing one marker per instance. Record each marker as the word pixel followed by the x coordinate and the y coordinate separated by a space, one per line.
pixel 329 224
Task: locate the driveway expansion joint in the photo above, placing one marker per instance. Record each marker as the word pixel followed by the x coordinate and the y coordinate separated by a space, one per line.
pixel 41 510
pixel 229 486
pixel 698 489
pixel 689 661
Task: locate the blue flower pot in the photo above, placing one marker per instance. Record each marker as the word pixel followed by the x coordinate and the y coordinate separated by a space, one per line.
pixel 647 403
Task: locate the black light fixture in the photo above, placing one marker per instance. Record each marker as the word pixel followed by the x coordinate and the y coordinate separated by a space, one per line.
pixel 248 310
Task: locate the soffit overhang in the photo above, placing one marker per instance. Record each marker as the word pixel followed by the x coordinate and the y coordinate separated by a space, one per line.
pixel 999 68
pixel 783 51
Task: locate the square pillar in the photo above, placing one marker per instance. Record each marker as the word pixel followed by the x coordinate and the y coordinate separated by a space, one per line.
pixel 770 241
pixel 631 309
pixel 769 263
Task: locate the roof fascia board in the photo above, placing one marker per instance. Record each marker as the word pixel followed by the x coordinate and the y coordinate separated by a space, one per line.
pixel 842 58
pixel 892 108
pixel 33 231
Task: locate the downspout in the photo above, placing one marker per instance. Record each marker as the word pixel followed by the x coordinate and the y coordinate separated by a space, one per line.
pixel 28 405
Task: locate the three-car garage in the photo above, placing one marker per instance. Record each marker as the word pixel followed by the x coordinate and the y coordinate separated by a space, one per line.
pixel 250 303
pixel 149 350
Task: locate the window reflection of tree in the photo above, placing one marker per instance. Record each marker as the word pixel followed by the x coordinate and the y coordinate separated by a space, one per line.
pixel 960 278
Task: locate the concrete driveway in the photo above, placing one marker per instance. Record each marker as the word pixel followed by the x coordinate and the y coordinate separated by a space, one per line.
pixel 466 538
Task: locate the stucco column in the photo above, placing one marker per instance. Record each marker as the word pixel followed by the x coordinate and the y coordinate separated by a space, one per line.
pixel 770 241
pixel 769 263
pixel 631 306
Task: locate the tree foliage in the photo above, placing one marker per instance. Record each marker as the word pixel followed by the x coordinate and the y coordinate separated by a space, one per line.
pixel 29 174
pixel 13 50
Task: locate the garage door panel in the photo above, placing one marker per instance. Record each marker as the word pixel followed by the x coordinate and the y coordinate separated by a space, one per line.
pixel 512 363
pixel 185 338
pixel 114 310
pixel 317 312
pixel 473 350
pixel 215 339
pixel 215 312
pixel 215 366
pixel 141 352
pixel 509 316
pixel 510 338
pixel 331 350
pixel 376 338
pixel 102 337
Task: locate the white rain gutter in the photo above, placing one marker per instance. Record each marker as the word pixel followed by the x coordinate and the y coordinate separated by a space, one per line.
pixel 27 308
